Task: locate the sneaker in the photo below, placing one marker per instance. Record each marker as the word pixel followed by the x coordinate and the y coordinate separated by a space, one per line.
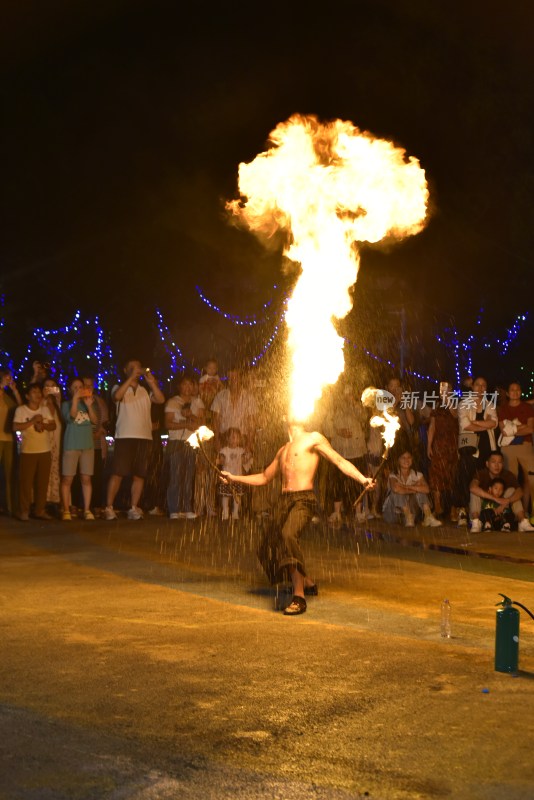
pixel 462 518
pixel 409 521
pixel 316 519
pixel 476 526
pixel 487 526
pixel 135 513
pixel 190 515
pixel 507 527
pixel 109 513
pixel 88 515
pixel 156 512
pixel 66 516
pixel 430 521
pixel 524 526
pixel 174 515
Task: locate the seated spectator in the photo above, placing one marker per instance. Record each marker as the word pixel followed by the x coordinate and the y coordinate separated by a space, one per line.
pixel 184 413
pixel 33 420
pixel 516 422
pixel 494 516
pixel 408 495
pixel 479 490
pixel 9 400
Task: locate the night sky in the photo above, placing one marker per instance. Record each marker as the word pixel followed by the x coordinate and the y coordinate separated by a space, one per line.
pixel 125 122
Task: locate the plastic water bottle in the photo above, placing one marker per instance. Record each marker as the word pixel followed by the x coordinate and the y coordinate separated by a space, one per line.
pixel 446 619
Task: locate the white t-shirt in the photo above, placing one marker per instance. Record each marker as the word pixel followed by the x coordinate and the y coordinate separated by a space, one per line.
pixel 234 411
pixel 174 406
pixel 413 477
pixel 235 460
pixel 133 414
pixel 32 441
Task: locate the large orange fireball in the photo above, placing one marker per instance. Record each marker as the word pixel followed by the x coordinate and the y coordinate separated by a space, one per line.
pixel 330 186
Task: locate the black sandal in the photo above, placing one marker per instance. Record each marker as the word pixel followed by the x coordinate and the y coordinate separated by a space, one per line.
pixel 311 591
pixel 296 606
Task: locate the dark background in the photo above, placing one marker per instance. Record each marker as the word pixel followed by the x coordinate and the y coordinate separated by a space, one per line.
pixel 125 122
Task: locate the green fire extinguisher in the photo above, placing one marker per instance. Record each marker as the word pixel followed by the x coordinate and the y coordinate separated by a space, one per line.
pixel 507 635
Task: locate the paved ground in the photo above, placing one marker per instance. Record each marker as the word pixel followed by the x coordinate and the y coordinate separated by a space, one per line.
pixel 147 660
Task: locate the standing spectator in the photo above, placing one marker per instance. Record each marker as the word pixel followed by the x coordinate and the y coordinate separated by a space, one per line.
pixel 210 383
pixel 442 450
pixel 184 413
pixel 133 435
pixel 345 426
pixel 100 444
pixel 516 422
pixel 40 372
pixel 33 420
pixel 477 420
pixel 9 400
pixel 406 437
pixel 157 478
pixel 234 459
pixel 235 407
pixel 52 399
pixel 79 416
pixel 209 386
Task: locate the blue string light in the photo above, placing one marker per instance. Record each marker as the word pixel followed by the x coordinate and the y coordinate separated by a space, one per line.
pixel 463 350
pixel 249 320
pixel 63 344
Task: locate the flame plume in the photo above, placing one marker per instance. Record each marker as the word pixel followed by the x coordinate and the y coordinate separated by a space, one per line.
pixel 330 186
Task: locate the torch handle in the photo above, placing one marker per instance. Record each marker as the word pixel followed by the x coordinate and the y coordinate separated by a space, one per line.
pixel 215 467
pixel 366 489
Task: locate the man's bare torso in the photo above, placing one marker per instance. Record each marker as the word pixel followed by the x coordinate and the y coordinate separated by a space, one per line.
pixel 298 462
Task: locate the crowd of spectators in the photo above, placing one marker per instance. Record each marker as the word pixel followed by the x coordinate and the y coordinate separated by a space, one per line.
pixel 458 457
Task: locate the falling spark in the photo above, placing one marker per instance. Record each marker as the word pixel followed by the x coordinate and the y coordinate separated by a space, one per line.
pixel 330 187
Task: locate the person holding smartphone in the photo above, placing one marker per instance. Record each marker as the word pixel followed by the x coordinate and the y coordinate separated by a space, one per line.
pixel 79 416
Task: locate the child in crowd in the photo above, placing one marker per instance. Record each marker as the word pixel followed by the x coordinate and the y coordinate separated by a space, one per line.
pixel 234 459
pixel 493 515
pixel 209 383
pixel 408 493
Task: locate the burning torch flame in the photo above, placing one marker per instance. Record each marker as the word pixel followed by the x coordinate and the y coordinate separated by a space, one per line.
pixel 390 423
pixel 202 434
pixel 330 186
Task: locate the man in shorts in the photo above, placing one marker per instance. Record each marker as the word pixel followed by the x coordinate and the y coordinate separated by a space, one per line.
pixel 133 435
pixel 297 461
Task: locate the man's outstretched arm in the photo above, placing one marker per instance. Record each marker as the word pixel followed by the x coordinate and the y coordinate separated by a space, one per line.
pixel 259 478
pixel 325 449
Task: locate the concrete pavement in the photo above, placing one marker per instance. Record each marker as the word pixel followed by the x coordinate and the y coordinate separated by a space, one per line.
pixel 147 660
